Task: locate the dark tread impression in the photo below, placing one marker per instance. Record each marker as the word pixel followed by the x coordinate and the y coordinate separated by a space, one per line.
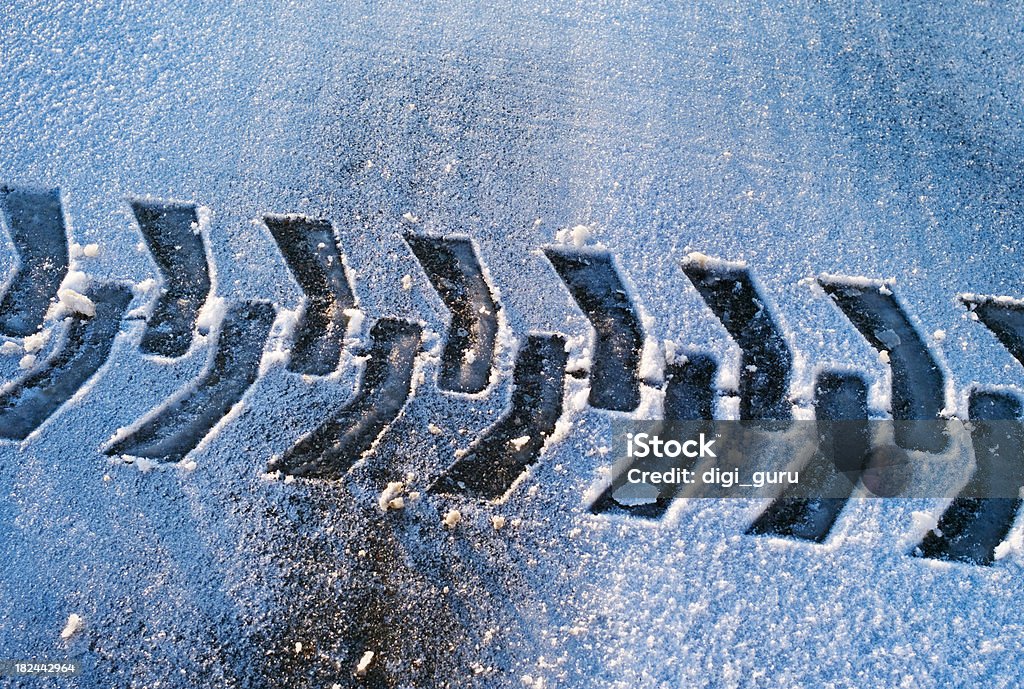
pixel 690 388
pixel 766 362
pixel 844 451
pixel 35 221
pixel 454 270
pixel 973 525
pixel 596 286
pixel 332 448
pixel 689 396
pixel 1004 318
pixel 311 251
pixel 85 348
pixel 231 369
pixel 508 448
pixel 171 232
pixel 918 384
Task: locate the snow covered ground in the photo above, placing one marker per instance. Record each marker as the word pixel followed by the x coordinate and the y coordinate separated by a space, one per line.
pixel 882 142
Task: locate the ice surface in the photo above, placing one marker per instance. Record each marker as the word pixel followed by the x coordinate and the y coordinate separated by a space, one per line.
pixel 881 141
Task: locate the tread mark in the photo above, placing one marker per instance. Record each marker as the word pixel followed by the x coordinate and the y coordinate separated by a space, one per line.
pixel 180 254
pixel 35 221
pixel 85 348
pixel 918 383
pixel 454 270
pixel 689 396
pixel 504 451
pixel 231 368
pixel 1004 319
pixel 690 389
pixel 766 361
pixel 311 251
pixel 843 453
pixel 972 527
pixel 598 289
pixel 338 443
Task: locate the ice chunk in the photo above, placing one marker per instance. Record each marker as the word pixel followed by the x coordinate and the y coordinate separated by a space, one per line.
pixel 364 664
pixel 580 234
pixel 388 495
pixel 355 322
pixel 211 314
pixel 35 342
pixel 75 302
pixel 145 464
pixel 889 338
pixel 74 624
pixel 451 518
